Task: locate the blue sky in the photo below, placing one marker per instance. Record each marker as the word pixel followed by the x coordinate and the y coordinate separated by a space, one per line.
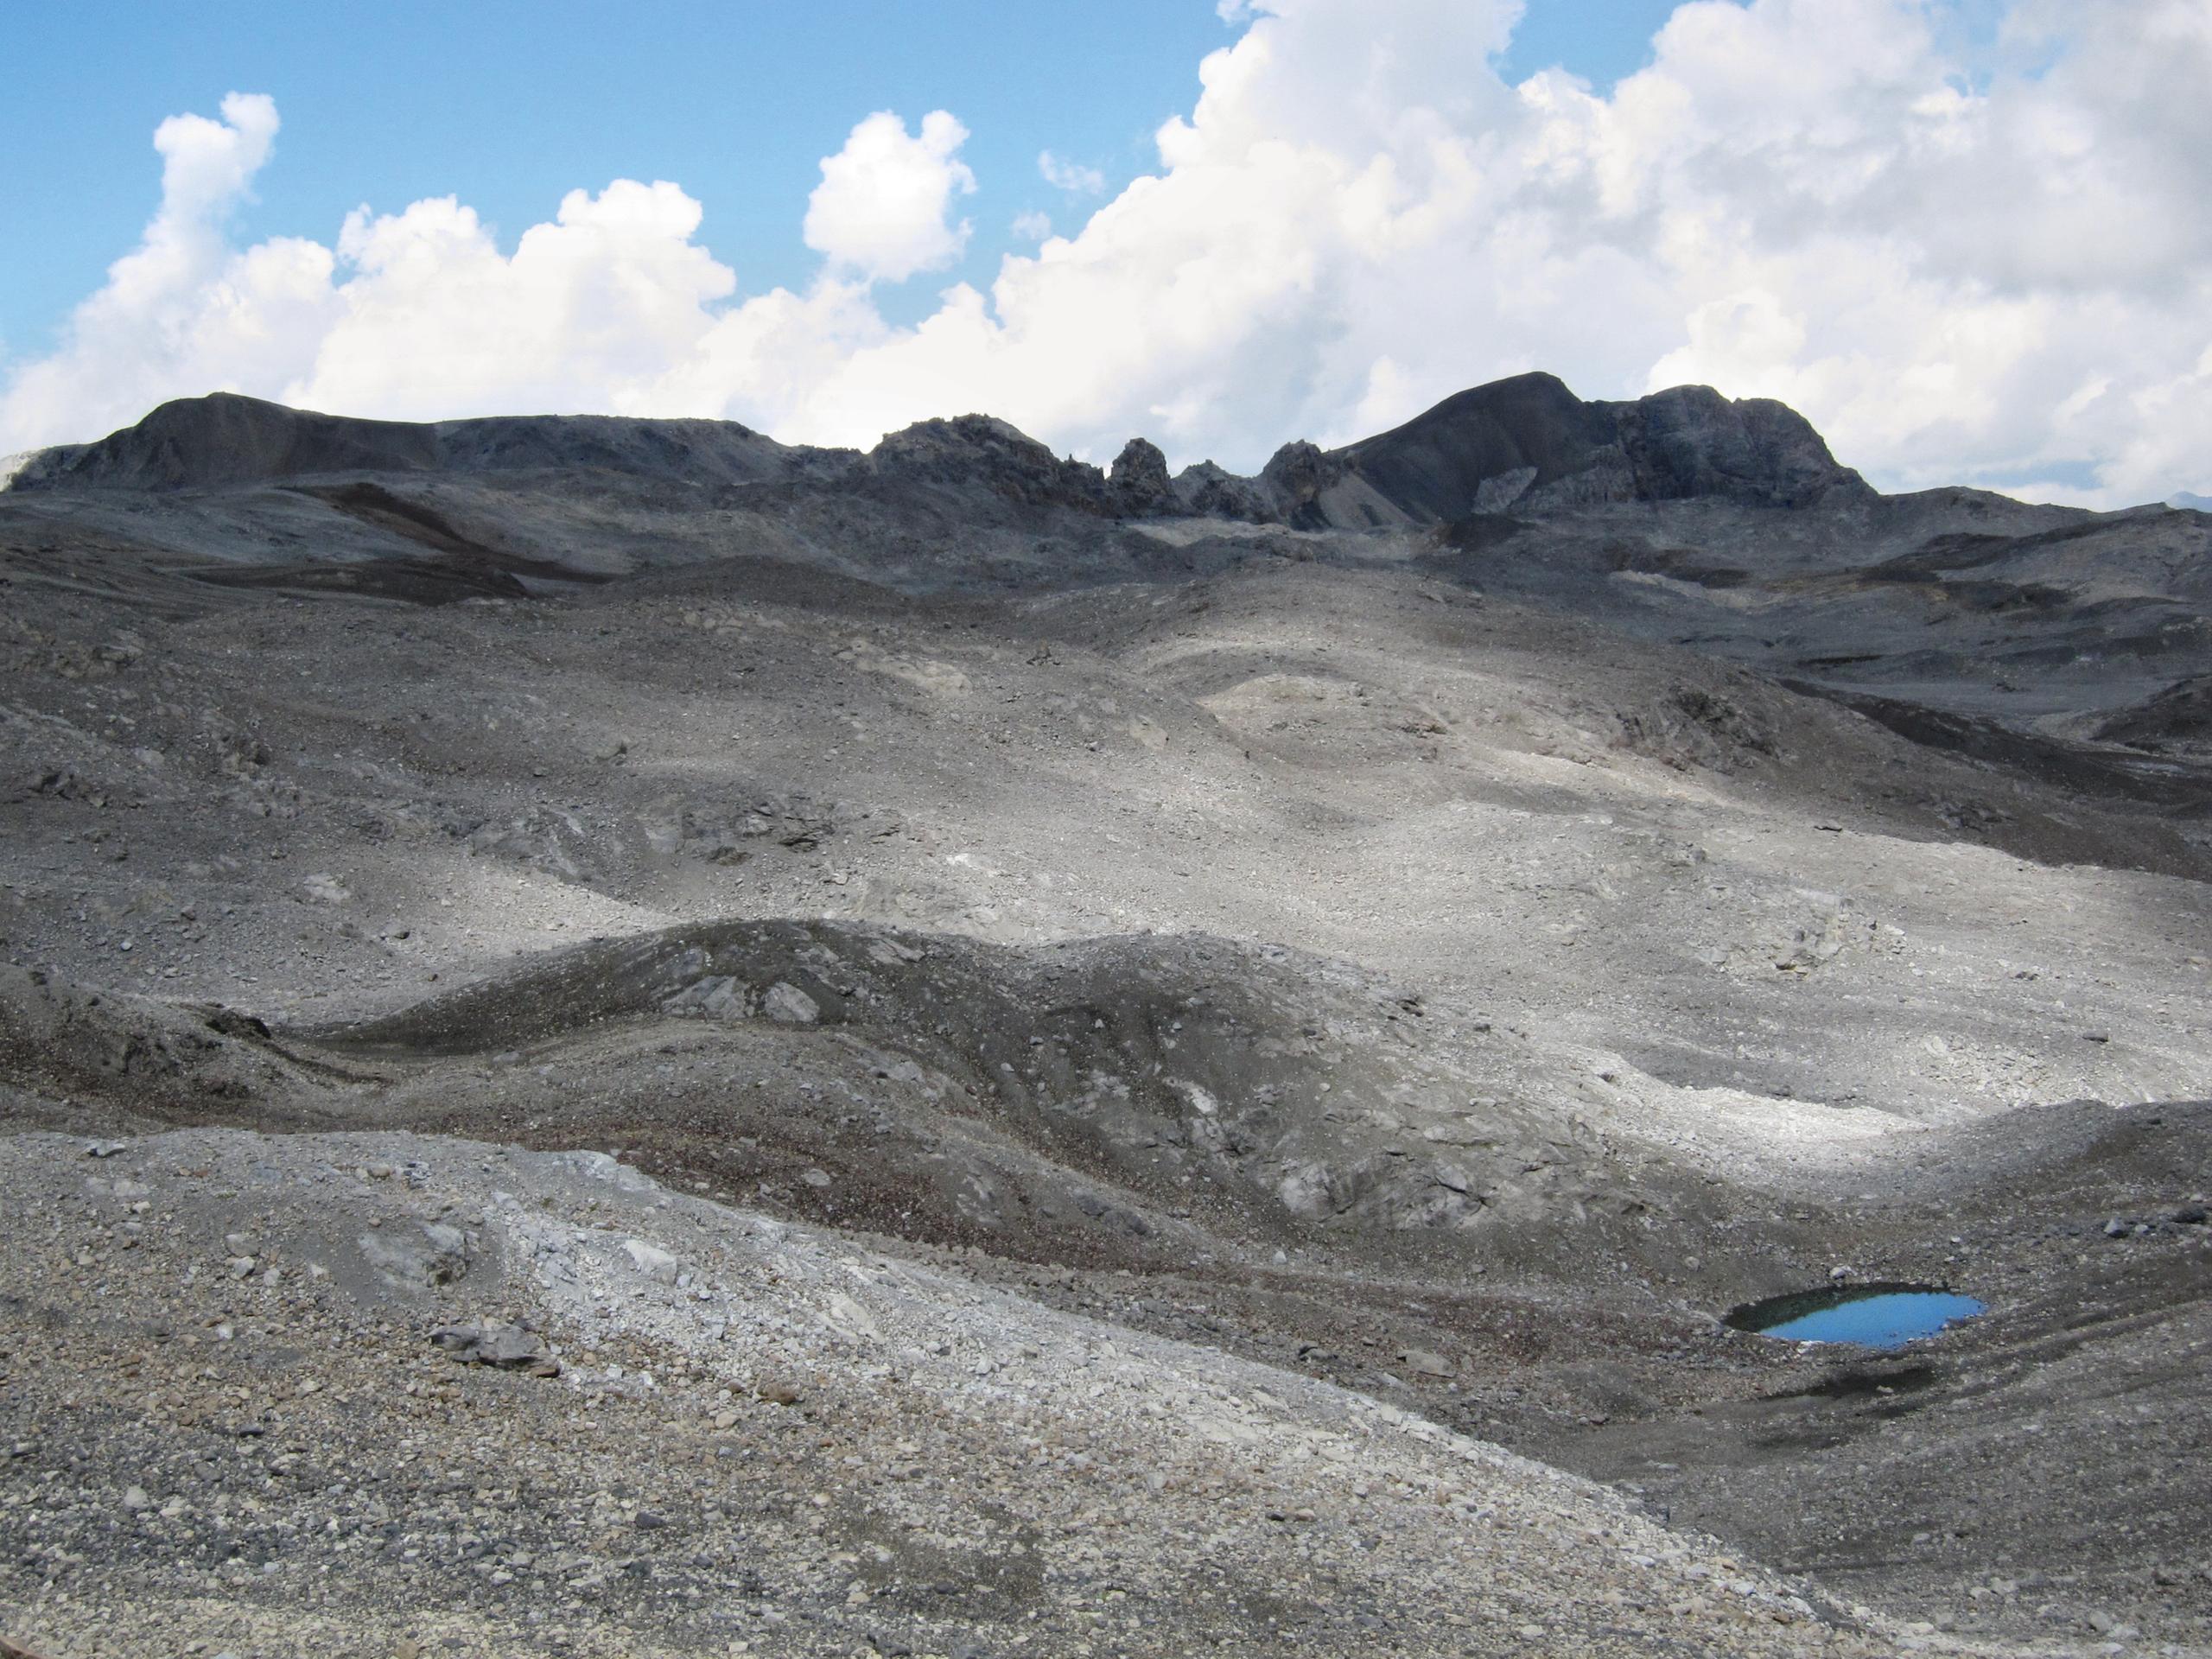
pixel 510 105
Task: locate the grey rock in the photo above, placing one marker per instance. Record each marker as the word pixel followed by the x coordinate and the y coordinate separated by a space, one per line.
pixel 651 1260
pixel 503 1346
pixel 1207 491
pixel 787 1005
pixel 1423 1361
pixel 718 997
pixel 1139 482
pixel 416 1256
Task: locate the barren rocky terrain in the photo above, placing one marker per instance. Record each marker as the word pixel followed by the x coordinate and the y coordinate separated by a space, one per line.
pixel 619 1039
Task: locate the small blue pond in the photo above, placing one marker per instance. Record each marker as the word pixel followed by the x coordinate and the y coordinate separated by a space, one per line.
pixel 1873 1316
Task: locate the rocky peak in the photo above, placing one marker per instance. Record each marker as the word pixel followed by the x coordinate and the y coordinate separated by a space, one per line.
pixel 983 449
pixel 1529 443
pixel 1208 490
pixel 1691 441
pixel 1139 482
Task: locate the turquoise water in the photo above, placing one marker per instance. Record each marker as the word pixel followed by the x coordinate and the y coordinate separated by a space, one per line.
pixel 1873 1316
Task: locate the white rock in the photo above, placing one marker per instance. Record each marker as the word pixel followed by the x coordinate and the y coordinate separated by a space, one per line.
pixel 651 1260
pixel 787 1005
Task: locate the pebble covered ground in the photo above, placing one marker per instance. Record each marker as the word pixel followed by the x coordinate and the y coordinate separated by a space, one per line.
pixel 384 1395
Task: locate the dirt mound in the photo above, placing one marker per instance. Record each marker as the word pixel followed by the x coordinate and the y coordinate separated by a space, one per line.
pixel 2177 718
pixel 1272 1095
pixel 97 1061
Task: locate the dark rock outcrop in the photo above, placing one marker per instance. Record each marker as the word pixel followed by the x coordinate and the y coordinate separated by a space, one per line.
pixel 1529 443
pixel 1209 491
pixel 1691 441
pixel 982 449
pixel 225 440
pixel 1299 473
pixel 1139 482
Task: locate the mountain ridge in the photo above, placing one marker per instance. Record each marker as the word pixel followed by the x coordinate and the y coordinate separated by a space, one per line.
pixel 1526 442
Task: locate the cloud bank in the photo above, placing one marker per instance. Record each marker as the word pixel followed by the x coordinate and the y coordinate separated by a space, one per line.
pixel 1994 268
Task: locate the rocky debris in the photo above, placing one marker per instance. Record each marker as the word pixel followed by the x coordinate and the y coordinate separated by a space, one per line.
pixel 1697 726
pixel 963 1468
pixel 69 1038
pixel 1171 1063
pixel 2178 718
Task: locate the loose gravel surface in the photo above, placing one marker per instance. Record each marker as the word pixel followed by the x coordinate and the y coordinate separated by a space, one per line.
pixel 618 1039
pixel 234 1428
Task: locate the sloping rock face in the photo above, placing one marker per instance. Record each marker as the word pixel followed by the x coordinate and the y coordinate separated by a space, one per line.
pixel 224 441
pixel 2178 718
pixel 1529 443
pixel 1530 429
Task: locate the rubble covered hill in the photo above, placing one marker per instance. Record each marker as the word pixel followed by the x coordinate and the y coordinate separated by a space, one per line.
pixel 619 1037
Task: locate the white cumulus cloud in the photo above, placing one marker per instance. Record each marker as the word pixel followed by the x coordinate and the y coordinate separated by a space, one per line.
pixel 184 312
pixel 1992 269
pixel 881 207
pixel 584 313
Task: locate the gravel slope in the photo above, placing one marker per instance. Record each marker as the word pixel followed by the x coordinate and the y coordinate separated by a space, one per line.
pixel 758 1433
